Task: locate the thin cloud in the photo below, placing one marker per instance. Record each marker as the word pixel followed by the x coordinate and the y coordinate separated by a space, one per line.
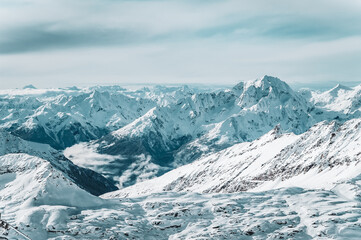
pixel 75 41
pixel 42 37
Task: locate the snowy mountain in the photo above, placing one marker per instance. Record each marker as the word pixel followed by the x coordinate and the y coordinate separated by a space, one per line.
pixel 142 133
pixel 318 158
pixel 257 161
pixel 68 117
pixel 29 87
pixel 64 117
pixel 84 178
pixel 178 133
pixel 338 99
pixel 35 192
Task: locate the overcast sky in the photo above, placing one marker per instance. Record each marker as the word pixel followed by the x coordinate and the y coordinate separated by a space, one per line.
pixel 85 42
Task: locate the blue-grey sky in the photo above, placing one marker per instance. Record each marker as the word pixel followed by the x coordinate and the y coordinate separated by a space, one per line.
pixel 85 42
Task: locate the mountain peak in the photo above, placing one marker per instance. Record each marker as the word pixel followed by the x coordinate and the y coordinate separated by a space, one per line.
pixel 239 87
pixel 264 82
pixel 29 87
pixel 74 88
pixel 270 81
pixel 339 87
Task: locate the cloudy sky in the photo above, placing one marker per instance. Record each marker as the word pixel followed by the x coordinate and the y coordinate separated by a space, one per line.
pixel 85 42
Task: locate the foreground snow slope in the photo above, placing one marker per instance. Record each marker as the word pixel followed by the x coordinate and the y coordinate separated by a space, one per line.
pixel 292 213
pixel 44 203
pixel 318 158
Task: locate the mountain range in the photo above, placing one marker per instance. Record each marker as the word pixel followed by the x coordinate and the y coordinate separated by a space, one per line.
pixel 255 161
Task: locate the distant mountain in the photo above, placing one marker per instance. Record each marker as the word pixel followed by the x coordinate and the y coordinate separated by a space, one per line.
pixel 29 87
pixel 65 118
pixel 338 99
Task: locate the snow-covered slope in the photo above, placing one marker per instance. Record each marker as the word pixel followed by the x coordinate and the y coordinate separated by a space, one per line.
pixel 85 178
pixel 44 204
pixel 338 99
pixel 35 193
pixel 318 158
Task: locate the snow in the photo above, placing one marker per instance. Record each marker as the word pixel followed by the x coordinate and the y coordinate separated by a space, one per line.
pixel 30 184
pixel 290 213
pixel 339 99
pixel 258 161
pixel 202 123
pixel 318 159
pixel 85 178
pixel 314 179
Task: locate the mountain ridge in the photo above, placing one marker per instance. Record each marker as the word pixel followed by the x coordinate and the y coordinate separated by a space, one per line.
pixel 85 178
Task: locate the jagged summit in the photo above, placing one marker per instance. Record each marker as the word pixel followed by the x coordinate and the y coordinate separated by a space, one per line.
pixel 268 92
pixel 339 99
pixel 270 83
pixel 262 87
pixel 74 88
pixel 340 86
pixel 274 81
pixel 238 87
pixel 334 91
pixel 266 81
